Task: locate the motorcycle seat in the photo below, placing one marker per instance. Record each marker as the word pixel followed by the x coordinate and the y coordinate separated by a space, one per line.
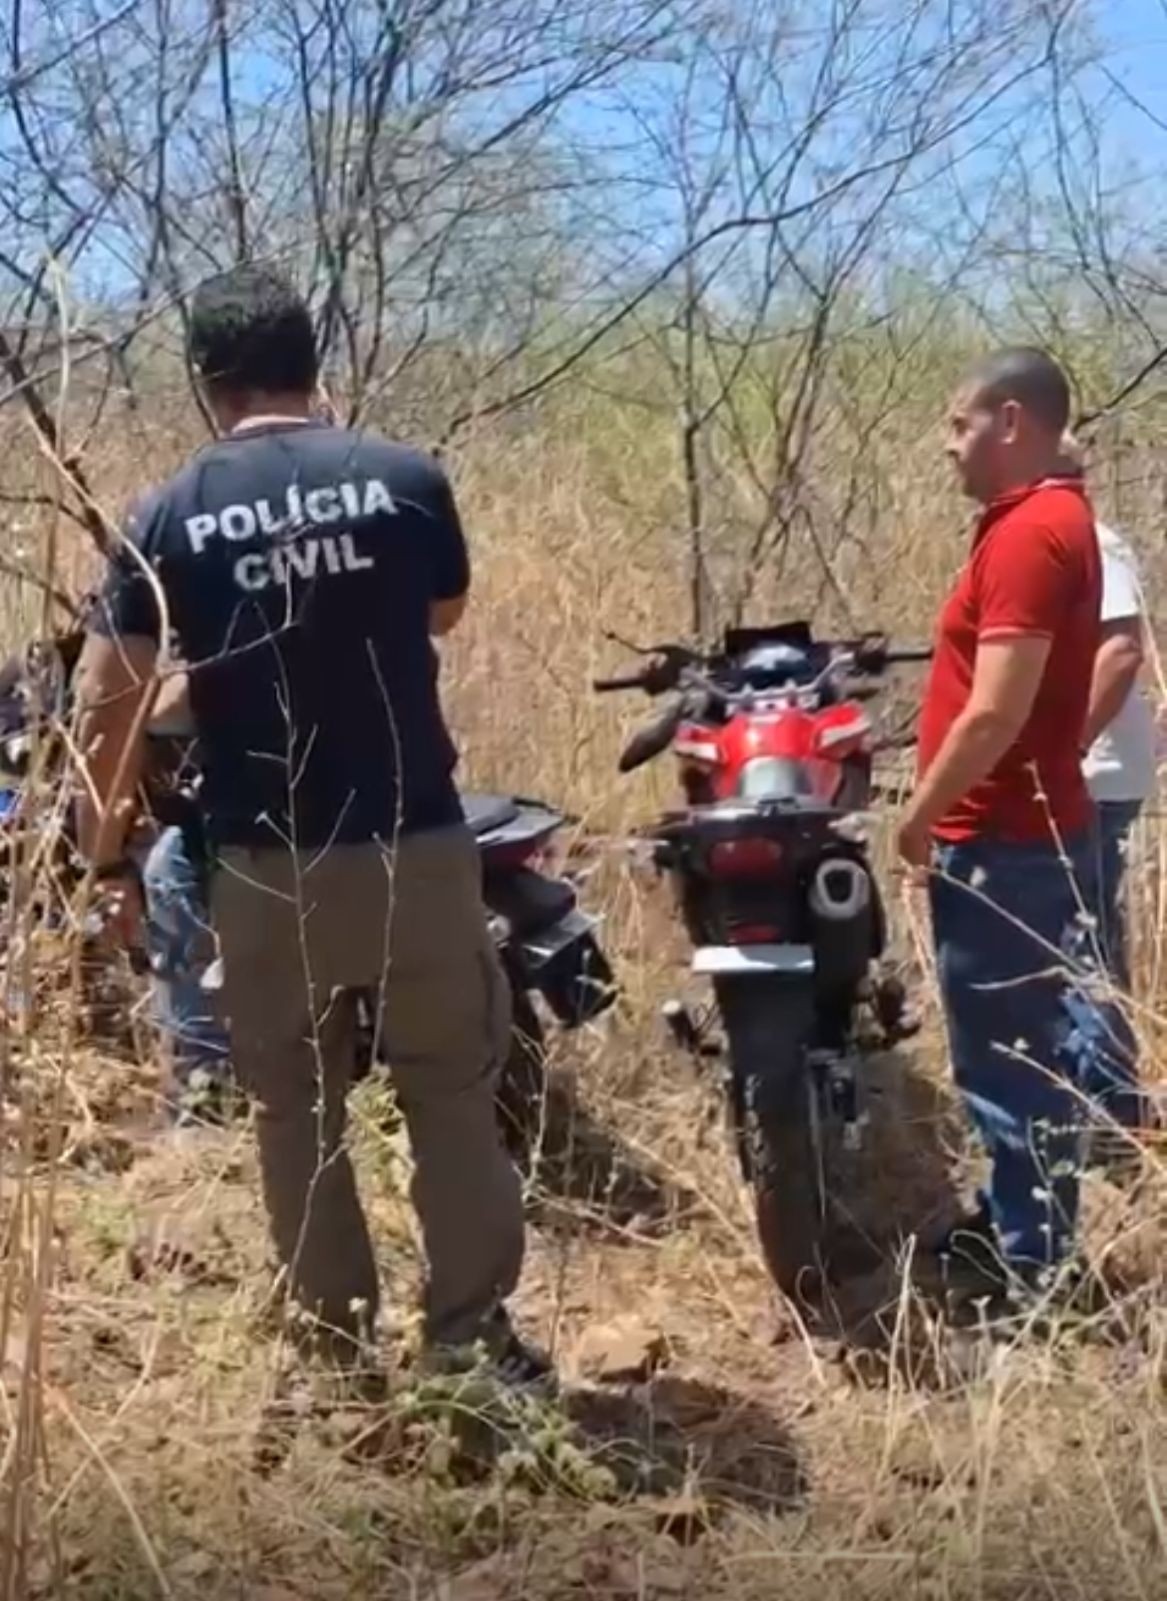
pixel 485 813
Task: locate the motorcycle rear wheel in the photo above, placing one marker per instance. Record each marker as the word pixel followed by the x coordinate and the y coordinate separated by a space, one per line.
pixel 521 1096
pixel 783 1137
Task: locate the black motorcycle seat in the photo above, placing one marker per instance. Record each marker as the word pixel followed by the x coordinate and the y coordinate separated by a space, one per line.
pixel 485 813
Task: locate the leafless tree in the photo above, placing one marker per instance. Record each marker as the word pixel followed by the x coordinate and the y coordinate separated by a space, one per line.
pixel 486 197
pixel 800 154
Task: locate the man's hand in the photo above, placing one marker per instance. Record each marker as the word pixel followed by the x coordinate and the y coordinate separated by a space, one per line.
pixel 1006 678
pixel 446 614
pixel 914 844
pixel 171 713
pixel 119 905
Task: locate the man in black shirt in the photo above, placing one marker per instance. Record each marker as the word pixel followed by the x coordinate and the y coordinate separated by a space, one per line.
pixel 300 569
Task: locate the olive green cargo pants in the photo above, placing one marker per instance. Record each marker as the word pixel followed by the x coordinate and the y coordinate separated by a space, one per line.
pixel 299 934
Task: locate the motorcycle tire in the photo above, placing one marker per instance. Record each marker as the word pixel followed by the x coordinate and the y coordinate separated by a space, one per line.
pixel 521 1097
pixel 782 1131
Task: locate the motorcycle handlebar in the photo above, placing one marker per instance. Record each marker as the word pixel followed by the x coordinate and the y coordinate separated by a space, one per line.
pixel 875 656
pixel 609 686
pixel 869 655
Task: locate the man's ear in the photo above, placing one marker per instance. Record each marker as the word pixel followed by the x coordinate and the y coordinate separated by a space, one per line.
pixel 216 405
pixel 1009 422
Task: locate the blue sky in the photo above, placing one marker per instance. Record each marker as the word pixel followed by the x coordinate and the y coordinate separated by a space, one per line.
pixel 1132 33
pixel 1137 33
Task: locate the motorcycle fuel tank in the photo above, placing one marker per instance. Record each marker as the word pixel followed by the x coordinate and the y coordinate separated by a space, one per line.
pixel 782 752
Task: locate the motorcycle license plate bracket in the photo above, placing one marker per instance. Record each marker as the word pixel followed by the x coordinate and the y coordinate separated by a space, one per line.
pixel 747 961
pixel 538 949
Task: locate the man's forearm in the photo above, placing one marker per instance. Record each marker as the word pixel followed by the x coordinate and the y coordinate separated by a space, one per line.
pixel 172 702
pixel 116 685
pixel 973 746
pixel 112 740
pixel 1114 679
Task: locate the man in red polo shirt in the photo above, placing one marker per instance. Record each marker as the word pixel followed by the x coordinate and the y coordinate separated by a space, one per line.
pixel 1001 811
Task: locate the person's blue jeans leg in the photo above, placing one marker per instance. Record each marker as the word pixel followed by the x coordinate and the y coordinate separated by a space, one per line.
pixel 179 940
pixel 1008 924
pixel 1112 1080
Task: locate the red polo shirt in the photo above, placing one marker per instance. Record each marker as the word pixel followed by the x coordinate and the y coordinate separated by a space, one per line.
pixel 1034 568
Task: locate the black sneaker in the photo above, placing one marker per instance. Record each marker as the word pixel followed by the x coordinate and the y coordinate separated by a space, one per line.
pixel 196 1098
pixel 500 1352
pixel 1068 1300
pixel 1115 1152
pixel 207 1097
pixel 524 1365
pixel 972 1266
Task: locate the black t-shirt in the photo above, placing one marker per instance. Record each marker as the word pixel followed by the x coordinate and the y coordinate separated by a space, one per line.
pixel 298 563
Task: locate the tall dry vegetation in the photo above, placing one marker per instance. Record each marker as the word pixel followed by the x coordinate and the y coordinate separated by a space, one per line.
pixel 680 290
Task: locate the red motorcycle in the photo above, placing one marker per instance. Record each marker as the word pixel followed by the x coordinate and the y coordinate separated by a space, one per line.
pixel 769 863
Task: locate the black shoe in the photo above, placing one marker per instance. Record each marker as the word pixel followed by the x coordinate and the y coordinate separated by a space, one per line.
pixel 1115 1151
pixel 206 1098
pixel 970 1256
pixel 525 1365
pixel 1043 1303
pixel 1071 1293
pixel 500 1352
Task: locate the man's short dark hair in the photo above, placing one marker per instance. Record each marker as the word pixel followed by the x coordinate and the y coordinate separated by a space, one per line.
pixel 249 329
pixel 1029 376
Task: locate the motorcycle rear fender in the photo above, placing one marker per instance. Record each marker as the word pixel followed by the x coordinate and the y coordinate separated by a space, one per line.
pixel 510 832
pixel 528 902
pixel 543 946
pixel 565 964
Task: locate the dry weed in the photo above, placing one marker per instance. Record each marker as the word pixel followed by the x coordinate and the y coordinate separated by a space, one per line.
pixel 139 1359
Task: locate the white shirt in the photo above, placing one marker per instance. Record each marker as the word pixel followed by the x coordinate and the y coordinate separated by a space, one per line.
pixel 1120 765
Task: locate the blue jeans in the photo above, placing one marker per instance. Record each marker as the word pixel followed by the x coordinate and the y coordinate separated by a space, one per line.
pixel 179 940
pixel 1010 933
pixel 1113 1077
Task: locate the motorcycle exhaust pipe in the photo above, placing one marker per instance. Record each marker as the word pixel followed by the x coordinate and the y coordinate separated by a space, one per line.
pixel 842 913
pixel 840 891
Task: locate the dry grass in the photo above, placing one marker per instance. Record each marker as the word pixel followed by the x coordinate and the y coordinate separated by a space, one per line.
pixel 137 1378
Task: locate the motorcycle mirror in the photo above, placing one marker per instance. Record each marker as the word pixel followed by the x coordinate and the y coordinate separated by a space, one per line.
pixel 677 655
pixel 627 644
pixel 662 673
pixel 649 741
pixel 870 652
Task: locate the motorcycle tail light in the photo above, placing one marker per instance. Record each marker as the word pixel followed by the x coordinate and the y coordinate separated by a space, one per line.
pixel 506 854
pixel 745 858
pixel 510 855
pixel 754 934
